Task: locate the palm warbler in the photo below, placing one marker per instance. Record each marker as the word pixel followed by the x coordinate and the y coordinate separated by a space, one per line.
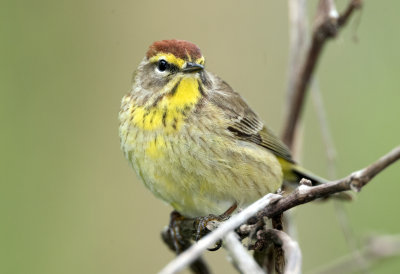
pixel 193 141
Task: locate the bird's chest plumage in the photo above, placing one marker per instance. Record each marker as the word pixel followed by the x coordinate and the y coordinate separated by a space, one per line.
pixel 165 159
pixel 158 143
pixel 173 157
pixel 193 164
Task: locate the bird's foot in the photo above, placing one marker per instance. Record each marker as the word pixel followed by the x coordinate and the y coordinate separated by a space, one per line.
pixel 208 223
pixel 180 243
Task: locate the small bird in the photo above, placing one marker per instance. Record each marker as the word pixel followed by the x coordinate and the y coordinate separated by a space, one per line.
pixel 193 141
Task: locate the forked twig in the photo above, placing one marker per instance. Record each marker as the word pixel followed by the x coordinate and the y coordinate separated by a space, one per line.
pixel 326 26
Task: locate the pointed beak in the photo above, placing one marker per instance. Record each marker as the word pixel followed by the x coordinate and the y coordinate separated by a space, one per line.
pixel 191 67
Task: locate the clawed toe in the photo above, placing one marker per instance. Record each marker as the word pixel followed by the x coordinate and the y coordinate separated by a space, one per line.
pixel 202 225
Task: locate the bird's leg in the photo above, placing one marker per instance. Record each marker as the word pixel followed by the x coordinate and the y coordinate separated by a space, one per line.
pixel 201 224
pixel 228 213
pixel 178 238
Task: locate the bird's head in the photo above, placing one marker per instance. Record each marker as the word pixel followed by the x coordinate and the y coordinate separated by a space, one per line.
pixel 166 63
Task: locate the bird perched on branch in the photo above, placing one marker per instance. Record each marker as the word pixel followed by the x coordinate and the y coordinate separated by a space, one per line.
pixel 193 141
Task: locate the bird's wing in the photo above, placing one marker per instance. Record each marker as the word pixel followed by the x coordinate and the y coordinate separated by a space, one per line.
pixel 244 123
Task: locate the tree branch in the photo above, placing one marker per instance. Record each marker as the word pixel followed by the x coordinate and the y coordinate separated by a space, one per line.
pixel 326 25
pixel 273 204
pixel 298 36
pixel 355 181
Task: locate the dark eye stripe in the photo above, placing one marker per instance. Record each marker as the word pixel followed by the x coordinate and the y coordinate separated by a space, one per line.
pixel 171 67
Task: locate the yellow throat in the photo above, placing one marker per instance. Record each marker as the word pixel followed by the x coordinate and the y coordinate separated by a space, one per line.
pixel 178 98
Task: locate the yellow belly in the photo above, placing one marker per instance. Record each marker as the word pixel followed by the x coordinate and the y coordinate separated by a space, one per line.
pixel 199 172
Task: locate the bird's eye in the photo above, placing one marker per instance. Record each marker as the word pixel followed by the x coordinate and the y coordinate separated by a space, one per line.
pixel 162 65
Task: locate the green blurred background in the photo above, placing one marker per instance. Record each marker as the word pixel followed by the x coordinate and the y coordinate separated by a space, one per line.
pixel 70 203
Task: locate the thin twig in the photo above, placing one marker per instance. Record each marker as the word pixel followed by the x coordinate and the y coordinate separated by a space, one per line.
pixel 240 257
pixel 344 18
pixel 326 25
pixel 341 215
pixel 197 249
pixel 326 133
pixel 350 238
pixel 298 37
pixel 331 156
pixel 355 181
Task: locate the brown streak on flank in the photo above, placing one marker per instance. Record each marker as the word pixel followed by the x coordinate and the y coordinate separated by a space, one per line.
pixel 164 118
pixel 126 136
pixel 173 148
pixel 199 105
pixel 191 136
pixel 145 116
pixel 157 100
pixel 151 118
pixel 179 48
pixel 167 144
pixel 202 143
pixel 175 123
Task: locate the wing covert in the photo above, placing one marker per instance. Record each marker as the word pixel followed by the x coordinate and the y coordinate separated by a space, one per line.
pixel 244 123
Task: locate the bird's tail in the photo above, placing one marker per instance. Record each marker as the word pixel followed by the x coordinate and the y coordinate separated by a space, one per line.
pixel 293 173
